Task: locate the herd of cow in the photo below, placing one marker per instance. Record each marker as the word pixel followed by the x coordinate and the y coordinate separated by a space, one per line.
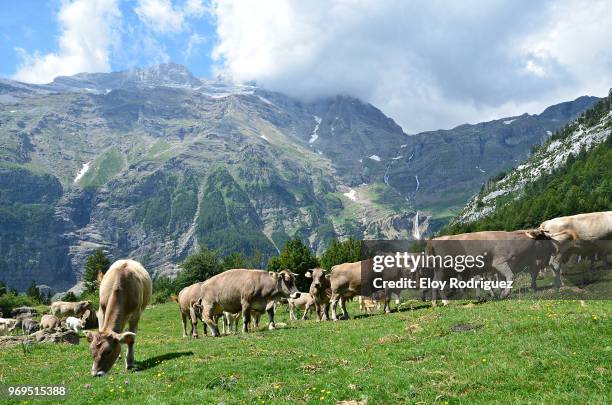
pixel 126 288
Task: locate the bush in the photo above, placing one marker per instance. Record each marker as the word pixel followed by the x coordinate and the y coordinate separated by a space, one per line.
pixel 10 301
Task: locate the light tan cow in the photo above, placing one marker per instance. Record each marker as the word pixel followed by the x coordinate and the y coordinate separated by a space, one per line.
pixel 574 234
pixel 185 299
pixel 304 301
pixel 320 290
pixel 245 291
pixel 345 283
pixel 63 309
pixel 50 322
pixel 125 292
pixel 7 325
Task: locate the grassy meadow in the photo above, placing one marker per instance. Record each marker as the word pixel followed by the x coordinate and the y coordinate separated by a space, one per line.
pixel 495 352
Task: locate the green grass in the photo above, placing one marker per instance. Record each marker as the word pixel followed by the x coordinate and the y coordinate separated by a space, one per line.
pixel 104 168
pixel 519 352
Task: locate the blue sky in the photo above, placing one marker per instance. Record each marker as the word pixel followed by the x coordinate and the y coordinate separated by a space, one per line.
pixel 32 26
pixel 428 64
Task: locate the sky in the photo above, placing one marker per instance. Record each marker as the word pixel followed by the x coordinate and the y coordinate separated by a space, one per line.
pixel 428 64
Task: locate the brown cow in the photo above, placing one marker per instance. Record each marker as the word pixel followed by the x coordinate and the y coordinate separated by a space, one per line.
pixel 50 322
pixel 506 253
pixel 320 290
pixel 125 292
pixel 186 298
pixel 246 291
pixel 63 309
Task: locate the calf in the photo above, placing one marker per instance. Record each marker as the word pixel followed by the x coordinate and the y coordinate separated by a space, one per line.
pixel 125 292
pixel 230 322
pixel 320 290
pixel 75 324
pixel 305 302
pixel 50 322
pixel 245 291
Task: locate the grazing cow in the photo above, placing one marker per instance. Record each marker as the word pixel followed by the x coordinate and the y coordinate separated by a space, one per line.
pixel 63 309
pixel 29 326
pixel 186 298
pixel 304 301
pixel 506 253
pixel 125 292
pixel 75 324
pixel 573 234
pixel 246 291
pixel 7 325
pixel 320 290
pixel 345 283
pixel 50 322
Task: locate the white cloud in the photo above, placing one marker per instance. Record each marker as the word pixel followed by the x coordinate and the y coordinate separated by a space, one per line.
pixel 195 39
pixel 88 32
pixel 428 64
pixel 162 17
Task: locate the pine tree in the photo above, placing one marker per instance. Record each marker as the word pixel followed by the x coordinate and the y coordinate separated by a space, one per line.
pixel 96 263
pixel 296 257
pixel 33 292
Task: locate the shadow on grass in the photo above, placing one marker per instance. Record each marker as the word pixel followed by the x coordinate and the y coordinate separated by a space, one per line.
pixel 155 361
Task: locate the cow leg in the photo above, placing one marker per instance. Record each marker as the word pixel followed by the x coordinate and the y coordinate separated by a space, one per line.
pixel 270 311
pixel 208 317
pixel 505 270
pixel 133 327
pixel 100 318
pixel 194 322
pixel 325 311
pixel 184 322
pixel 345 314
pixel 334 303
pixel 387 308
pixel 534 277
pixel 292 312
pixel 318 310
pixel 246 317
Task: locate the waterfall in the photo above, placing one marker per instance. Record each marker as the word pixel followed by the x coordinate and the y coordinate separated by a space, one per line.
pixel 416 234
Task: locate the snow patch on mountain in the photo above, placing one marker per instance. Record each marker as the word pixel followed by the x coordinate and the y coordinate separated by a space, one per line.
pixel 82 172
pixel 545 160
pixel 375 157
pixel 351 195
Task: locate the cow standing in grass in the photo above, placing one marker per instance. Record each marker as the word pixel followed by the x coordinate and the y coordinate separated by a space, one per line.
pixel 125 292
pixel 186 298
pixel 576 234
pixel 245 291
pixel 320 290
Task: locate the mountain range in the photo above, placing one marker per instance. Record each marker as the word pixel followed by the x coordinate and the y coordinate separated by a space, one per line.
pixel 150 163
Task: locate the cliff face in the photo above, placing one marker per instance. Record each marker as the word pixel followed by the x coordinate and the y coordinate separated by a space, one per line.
pixel 152 162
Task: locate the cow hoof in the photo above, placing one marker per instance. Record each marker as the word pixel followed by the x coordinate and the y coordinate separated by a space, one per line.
pixel 130 367
pixel 271 327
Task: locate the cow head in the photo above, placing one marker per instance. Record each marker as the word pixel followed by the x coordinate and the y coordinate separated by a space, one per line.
pixel 85 305
pixel 538 234
pixel 105 347
pixel 285 283
pixel 319 278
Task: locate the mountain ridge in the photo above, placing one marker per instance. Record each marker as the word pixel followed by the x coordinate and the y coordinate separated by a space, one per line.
pixel 149 170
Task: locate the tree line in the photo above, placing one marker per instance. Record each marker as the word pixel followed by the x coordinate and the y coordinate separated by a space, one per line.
pixel 295 256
